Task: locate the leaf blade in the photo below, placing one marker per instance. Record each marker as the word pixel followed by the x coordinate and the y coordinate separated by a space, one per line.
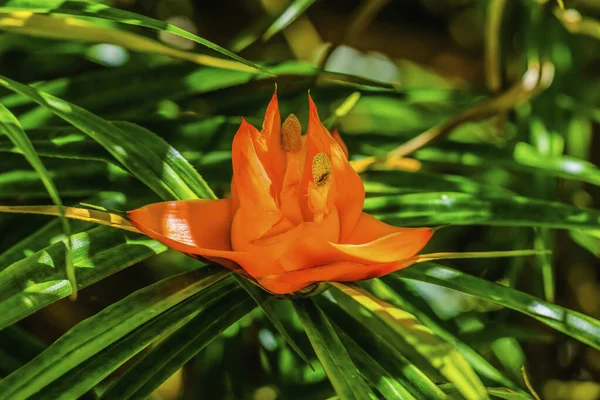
pixel 162 361
pixel 572 323
pixel 83 378
pixel 92 335
pixel 339 368
pixel 11 127
pixel 289 15
pixel 131 151
pixel 439 353
pixel 102 11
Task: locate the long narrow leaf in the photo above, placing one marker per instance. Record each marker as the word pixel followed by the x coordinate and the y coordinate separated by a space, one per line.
pixel 49 233
pixel 96 10
pixel 383 381
pixel 468 209
pixel 523 157
pixel 9 125
pixel 294 10
pixel 386 355
pixel 436 351
pixel 75 29
pixel 342 373
pixel 96 333
pixel 265 302
pixel 89 373
pixel 152 168
pixel 479 363
pixel 180 347
pixel 577 325
pixel 38 280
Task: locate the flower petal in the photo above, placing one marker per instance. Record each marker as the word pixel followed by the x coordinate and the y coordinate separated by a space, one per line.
pixel 348 187
pixel 294 281
pixel 199 228
pixel 290 191
pixel 312 244
pixel 187 224
pixel 268 146
pixel 297 248
pixel 259 210
pixel 369 228
pixel 340 142
pixel 390 248
pixel 271 129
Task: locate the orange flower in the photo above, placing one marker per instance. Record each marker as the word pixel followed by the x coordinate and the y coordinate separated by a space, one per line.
pixel 295 216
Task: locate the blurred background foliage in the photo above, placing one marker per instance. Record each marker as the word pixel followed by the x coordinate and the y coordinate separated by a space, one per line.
pixel 507 91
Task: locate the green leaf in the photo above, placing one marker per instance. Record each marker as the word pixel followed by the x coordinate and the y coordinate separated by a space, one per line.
pixel 378 377
pixel 72 178
pixel 510 354
pixel 342 110
pixel 501 393
pixel 170 156
pixel 213 301
pixel 395 297
pixel 100 331
pixel 38 280
pixel 587 240
pixel 468 209
pixel 387 355
pixel 147 87
pixel 579 326
pixel 397 182
pixel 18 347
pixel 168 356
pixel 404 326
pixel 523 157
pixel 10 126
pixel 248 35
pixel 61 28
pixel 96 10
pixel 265 301
pixel 495 331
pixel 342 373
pixel 48 234
pixel 64 142
pixel 295 9
pixel 148 157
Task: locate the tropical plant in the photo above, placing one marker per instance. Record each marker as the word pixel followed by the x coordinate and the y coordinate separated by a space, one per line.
pixel 109 106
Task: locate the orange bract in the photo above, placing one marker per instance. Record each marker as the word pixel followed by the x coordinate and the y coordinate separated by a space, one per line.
pixel 295 217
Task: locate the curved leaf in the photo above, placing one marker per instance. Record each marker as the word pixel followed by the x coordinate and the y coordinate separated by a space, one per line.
pixel 96 333
pixel 467 209
pixel 294 10
pixel 342 373
pixel 397 182
pixel 579 326
pixel 219 299
pixel 387 356
pixel 74 29
pixel 146 156
pixel 382 380
pixel 38 280
pixel 91 9
pixel 47 235
pixel 441 355
pixel 479 363
pixel 265 301
pixel 145 376
pixel 522 158
pixel 9 125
